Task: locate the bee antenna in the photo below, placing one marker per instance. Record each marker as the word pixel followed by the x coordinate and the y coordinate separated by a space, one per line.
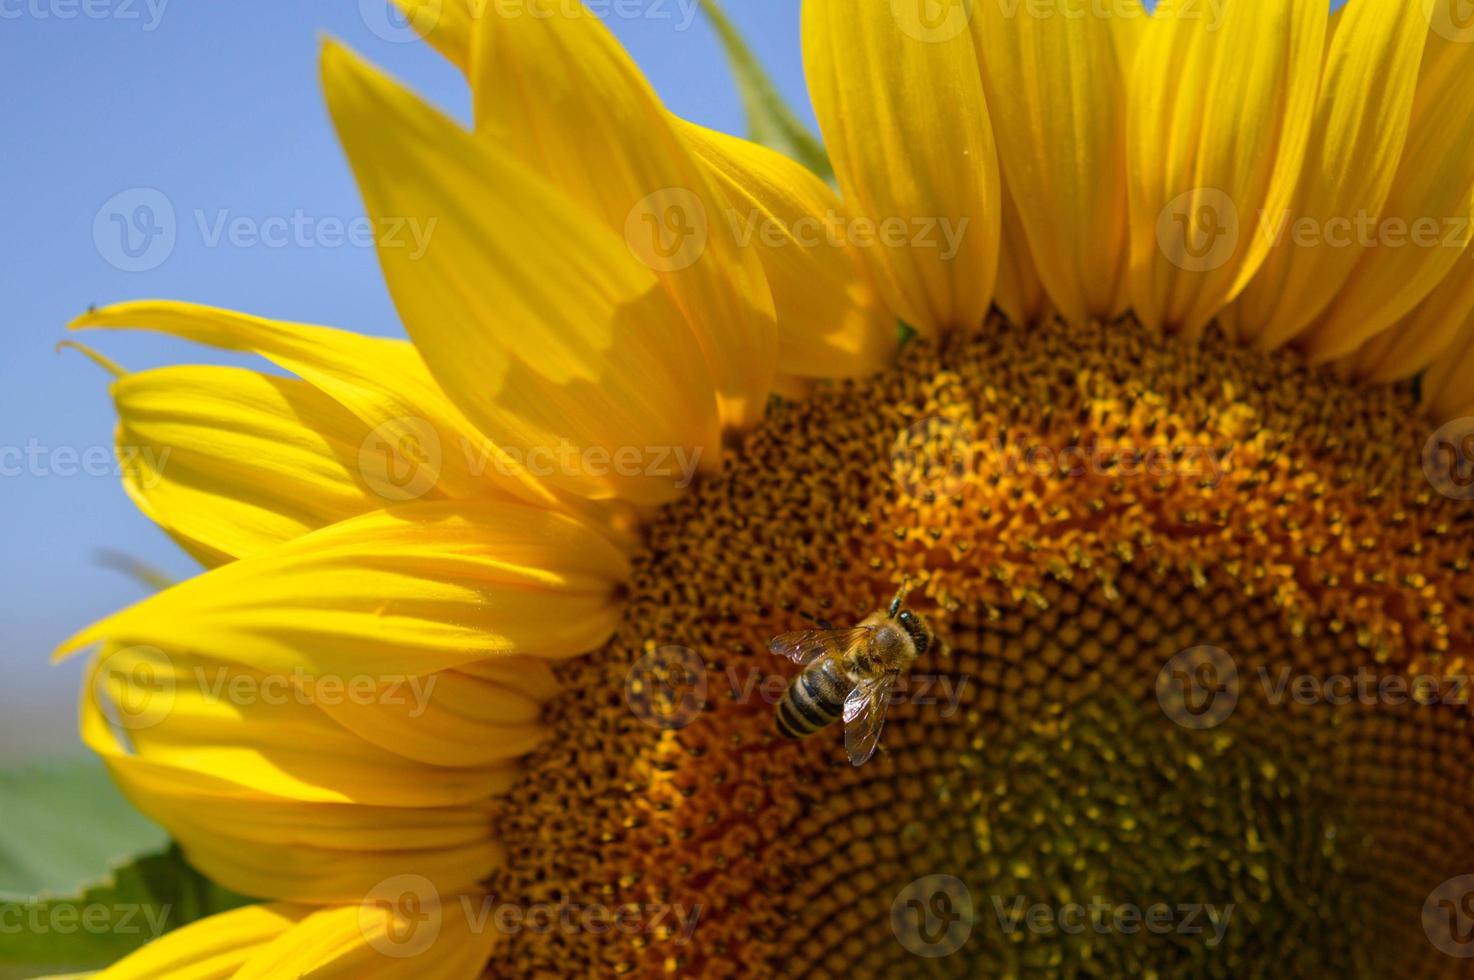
pixel 901 593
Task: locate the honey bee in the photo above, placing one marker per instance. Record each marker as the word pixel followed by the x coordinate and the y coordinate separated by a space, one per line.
pixel 849 673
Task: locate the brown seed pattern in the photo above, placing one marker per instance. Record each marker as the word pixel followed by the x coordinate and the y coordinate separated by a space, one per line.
pixel 1078 505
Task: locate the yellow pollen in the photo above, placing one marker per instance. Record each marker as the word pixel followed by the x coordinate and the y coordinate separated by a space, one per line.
pixel 1164 576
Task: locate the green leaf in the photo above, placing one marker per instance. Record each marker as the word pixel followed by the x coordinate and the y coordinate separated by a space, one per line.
pixel 63 826
pixel 769 120
pixel 139 902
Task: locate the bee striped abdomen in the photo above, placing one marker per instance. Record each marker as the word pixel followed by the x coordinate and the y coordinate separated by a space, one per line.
pixel 813 701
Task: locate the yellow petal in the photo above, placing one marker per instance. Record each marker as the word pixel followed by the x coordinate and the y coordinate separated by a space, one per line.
pixel 446 24
pixel 536 320
pixel 1447 388
pixel 1057 96
pixel 256 733
pixel 1020 291
pixel 1361 123
pixel 416 589
pixel 1221 103
pixel 270 796
pixel 900 101
pixel 831 321
pixel 231 462
pixel 421 442
pixel 1424 226
pixel 213 948
pixel 552 86
pixel 1418 339
pixel 446 719
pixel 402 929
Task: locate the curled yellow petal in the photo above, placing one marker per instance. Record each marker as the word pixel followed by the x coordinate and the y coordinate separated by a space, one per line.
pixel 213 948
pixel 421 444
pixel 231 462
pixel 412 590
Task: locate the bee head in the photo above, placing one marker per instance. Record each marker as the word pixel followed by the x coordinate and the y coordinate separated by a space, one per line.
pixel 916 628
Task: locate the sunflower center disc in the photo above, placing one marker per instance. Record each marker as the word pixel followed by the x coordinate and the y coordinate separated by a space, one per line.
pixel 1187 596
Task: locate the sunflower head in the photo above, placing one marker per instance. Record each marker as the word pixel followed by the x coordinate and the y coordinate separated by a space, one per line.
pixel 1169 471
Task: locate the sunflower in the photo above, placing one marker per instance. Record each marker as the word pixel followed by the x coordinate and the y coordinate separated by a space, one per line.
pixel 1172 458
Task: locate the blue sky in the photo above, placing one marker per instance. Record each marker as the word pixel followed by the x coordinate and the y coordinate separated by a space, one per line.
pixel 215 106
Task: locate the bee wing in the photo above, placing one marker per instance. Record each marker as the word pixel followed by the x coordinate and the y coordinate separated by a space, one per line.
pixel 806 646
pixel 864 716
